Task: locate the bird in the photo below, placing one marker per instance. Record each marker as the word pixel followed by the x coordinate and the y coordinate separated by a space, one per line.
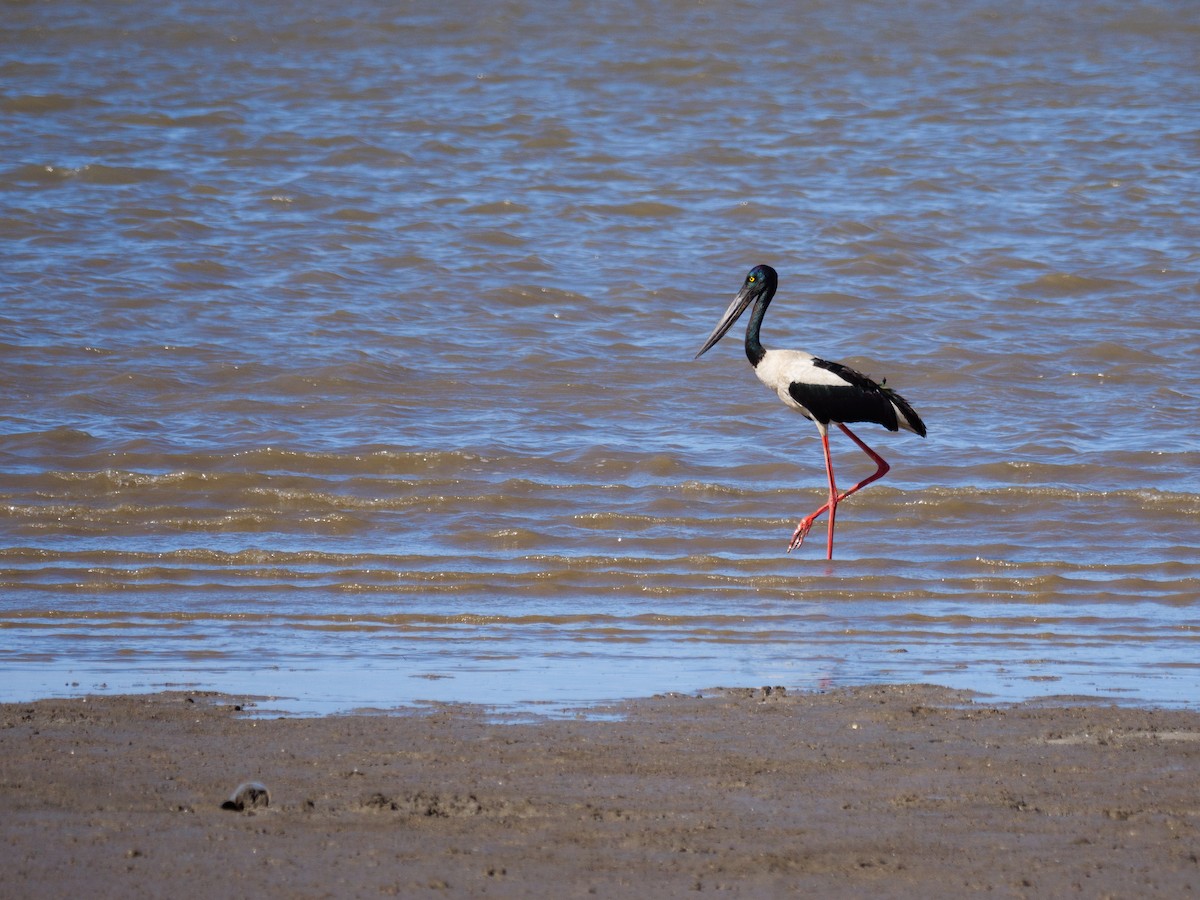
pixel 823 391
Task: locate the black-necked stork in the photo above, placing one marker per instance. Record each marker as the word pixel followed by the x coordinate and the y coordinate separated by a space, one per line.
pixel 821 390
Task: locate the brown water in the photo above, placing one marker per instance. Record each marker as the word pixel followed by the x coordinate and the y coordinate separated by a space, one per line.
pixel 346 354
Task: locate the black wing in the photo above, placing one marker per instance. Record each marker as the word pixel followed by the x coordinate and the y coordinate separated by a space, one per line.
pixel 858 400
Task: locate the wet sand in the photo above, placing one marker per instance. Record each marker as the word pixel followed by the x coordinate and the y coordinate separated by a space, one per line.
pixel 891 791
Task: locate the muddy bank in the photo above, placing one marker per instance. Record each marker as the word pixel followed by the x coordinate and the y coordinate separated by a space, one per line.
pixel 894 791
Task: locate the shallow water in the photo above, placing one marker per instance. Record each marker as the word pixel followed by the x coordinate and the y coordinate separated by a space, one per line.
pixel 346 356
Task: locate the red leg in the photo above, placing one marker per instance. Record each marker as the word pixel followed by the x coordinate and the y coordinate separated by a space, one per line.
pixel 806 523
pixel 880 462
pixel 834 498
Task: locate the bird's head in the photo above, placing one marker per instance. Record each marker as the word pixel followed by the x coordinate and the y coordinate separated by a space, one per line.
pixel 759 279
pixel 760 282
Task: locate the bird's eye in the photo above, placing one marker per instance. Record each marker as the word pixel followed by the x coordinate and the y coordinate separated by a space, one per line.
pixel 752 279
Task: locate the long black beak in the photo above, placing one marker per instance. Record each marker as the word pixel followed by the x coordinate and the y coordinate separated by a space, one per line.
pixel 736 308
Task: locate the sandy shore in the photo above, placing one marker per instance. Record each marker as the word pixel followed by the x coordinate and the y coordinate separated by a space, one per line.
pixel 897 791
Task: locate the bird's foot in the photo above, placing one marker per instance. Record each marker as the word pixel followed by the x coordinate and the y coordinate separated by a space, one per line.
pixel 801 532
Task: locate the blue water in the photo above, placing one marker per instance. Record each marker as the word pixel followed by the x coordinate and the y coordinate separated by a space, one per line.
pixel 346 355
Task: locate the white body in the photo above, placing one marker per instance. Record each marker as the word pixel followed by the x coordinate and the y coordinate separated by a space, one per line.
pixel 780 369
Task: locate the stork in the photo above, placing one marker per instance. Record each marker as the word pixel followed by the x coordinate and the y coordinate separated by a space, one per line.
pixel 825 392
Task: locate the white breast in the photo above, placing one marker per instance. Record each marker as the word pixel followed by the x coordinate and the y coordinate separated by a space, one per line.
pixel 781 368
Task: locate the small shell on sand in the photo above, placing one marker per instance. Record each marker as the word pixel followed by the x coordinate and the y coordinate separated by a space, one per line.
pixel 248 795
